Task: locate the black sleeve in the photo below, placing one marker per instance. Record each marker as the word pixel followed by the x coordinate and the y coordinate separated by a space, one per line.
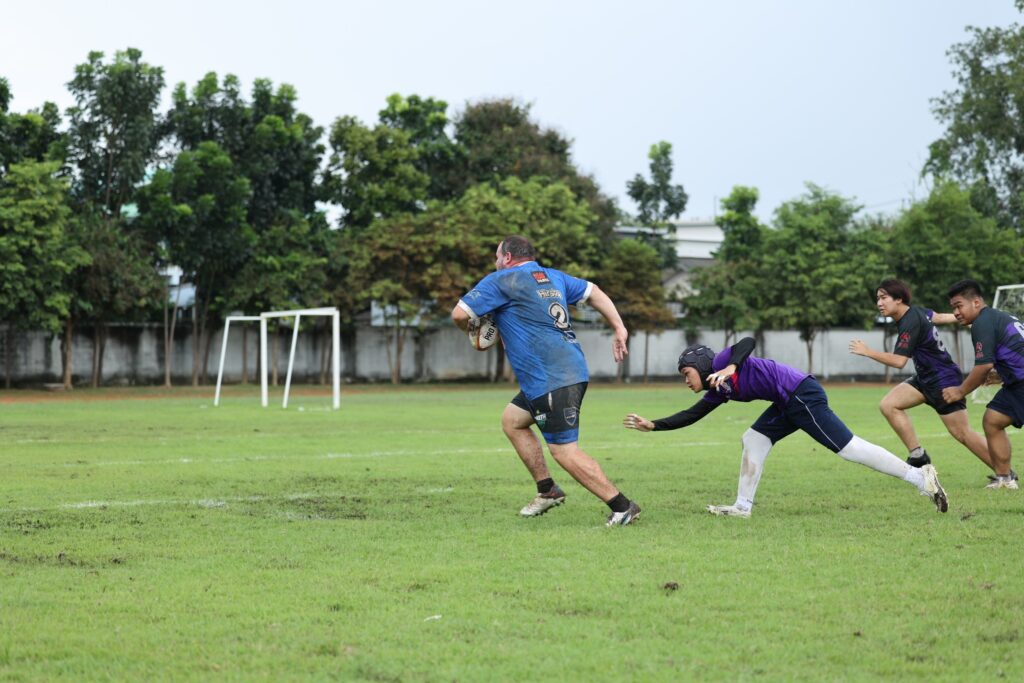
pixel 686 417
pixel 741 350
pixel 908 333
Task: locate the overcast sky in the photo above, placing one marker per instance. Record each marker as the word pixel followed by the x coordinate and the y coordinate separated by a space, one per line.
pixel 769 93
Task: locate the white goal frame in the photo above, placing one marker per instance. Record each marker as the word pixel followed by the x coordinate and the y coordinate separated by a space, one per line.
pixel 264 355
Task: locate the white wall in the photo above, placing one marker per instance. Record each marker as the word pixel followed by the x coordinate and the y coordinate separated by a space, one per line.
pixel 134 355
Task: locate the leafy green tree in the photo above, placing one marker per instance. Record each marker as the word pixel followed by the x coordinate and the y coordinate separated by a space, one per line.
pixel 112 129
pixel 33 136
pixel 943 239
pixel 983 144
pixel 439 157
pixel 658 201
pixel 500 140
pixel 727 293
pixel 373 173
pixel 36 254
pixel 816 271
pixel 198 209
pixel 118 282
pixel 631 276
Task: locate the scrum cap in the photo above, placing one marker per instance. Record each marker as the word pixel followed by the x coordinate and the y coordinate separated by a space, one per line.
pixel 698 357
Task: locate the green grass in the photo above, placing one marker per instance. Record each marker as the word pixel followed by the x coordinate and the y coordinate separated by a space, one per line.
pixel 148 535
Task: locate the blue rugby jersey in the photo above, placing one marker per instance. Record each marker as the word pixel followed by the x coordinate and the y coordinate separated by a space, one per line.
pixel 530 305
pixel 999 339
pixel 918 339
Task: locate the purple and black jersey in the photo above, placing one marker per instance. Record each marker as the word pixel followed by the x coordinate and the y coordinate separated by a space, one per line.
pixel 758 379
pixel 917 338
pixel 999 339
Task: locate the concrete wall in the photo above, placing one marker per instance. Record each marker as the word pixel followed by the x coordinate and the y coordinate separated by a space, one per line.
pixel 135 354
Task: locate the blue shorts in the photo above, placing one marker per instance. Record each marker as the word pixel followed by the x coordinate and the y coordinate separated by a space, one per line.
pixel 808 410
pixel 557 412
pixel 1010 402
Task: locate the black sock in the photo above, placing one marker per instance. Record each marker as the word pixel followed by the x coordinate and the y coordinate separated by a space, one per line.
pixel 619 503
pixel 545 485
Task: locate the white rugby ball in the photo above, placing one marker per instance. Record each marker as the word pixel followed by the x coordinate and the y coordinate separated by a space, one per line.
pixel 483 333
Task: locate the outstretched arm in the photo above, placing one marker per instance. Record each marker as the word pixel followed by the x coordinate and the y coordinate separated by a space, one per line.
pixel 943 318
pixel 893 360
pixel 603 304
pixel 683 418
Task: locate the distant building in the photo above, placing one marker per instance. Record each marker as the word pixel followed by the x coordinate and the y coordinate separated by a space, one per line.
pixel 696 241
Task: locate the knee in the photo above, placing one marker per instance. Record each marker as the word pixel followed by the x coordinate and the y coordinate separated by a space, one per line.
pixel 888 409
pixel 754 440
pixel 959 433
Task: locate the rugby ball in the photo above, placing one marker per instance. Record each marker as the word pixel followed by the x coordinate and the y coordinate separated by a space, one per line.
pixel 483 333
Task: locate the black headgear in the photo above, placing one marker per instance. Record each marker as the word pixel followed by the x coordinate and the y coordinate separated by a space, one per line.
pixel 698 357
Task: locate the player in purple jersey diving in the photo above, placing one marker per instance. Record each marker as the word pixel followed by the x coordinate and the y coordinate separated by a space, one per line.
pixel 530 306
pixel 917 338
pixel 798 402
pixel 998 339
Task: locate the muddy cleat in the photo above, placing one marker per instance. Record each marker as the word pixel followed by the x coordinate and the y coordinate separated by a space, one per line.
pixel 544 502
pixel 624 518
pixel 728 511
pixel 1004 482
pixel 933 489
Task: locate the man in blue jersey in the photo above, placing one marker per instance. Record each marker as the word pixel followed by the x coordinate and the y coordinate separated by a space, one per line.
pixel 998 339
pixel 530 306
pixel 798 402
pixel 917 338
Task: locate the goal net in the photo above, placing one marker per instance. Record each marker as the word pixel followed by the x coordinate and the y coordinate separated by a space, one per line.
pixel 264 355
pixel 1009 298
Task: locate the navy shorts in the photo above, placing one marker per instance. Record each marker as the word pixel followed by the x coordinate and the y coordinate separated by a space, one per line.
pixel 933 397
pixel 808 410
pixel 557 412
pixel 1010 402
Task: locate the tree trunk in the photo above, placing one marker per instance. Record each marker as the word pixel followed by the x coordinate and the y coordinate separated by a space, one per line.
pixel 207 342
pixel 96 356
pixel 273 356
pixel 810 355
pixel 325 355
pixel 66 348
pixel 647 352
pixel 195 345
pixel 8 353
pixel 396 368
pixel 169 332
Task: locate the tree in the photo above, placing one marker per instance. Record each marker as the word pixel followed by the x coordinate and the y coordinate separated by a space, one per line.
pixel 36 254
pixel 34 135
pixel 658 201
pixel 943 239
pixel 373 173
pixel 816 270
pixel 501 140
pixel 631 276
pixel 439 157
pixel 983 145
pixel 113 132
pixel 198 210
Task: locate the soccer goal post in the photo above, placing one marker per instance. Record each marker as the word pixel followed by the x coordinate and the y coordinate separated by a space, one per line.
pixel 264 356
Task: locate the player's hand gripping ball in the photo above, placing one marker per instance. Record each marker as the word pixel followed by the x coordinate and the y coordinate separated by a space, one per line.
pixel 483 333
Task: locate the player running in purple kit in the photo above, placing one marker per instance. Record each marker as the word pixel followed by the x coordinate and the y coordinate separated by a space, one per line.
pixel 998 339
pixel 917 338
pixel 798 402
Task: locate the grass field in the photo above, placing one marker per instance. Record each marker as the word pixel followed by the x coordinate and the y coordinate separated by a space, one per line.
pixel 146 534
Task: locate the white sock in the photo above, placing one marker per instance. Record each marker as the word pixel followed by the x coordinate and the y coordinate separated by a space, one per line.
pixel 755 450
pixel 880 460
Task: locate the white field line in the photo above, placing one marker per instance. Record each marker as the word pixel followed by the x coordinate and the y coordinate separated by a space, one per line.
pixel 361 454
pixel 199 502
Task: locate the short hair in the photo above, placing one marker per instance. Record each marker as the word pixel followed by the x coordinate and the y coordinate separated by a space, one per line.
pixel 968 289
pixel 518 247
pixel 897 289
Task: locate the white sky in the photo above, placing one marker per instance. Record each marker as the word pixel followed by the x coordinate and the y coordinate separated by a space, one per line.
pixel 769 93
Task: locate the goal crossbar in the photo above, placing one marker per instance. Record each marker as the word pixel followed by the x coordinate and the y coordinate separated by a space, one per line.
pixel 264 355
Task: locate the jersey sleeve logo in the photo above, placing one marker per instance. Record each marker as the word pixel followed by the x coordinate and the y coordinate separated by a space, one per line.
pixel 979 352
pixel 541 277
pixel 904 340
